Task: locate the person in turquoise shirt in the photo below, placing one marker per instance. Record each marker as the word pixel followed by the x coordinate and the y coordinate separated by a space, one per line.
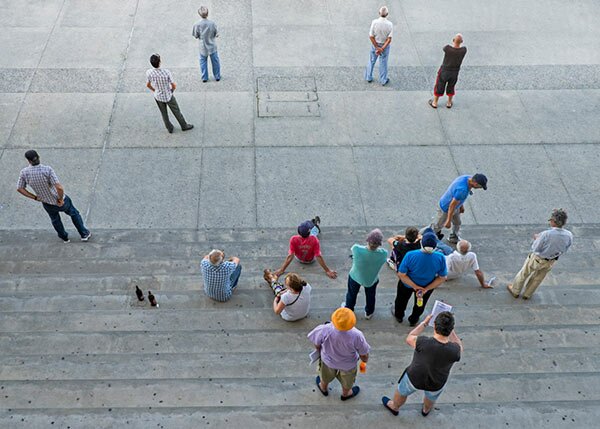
pixel 366 263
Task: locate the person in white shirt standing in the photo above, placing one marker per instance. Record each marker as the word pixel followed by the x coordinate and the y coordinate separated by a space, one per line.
pixel 381 37
pixel 462 260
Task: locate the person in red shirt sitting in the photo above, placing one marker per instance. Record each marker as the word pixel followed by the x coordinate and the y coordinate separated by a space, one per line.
pixel 306 248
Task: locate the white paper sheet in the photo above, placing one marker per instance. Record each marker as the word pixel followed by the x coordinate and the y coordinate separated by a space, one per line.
pixel 438 307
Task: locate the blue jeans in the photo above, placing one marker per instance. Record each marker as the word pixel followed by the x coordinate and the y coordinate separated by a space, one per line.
pixel 383 71
pixel 406 388
pixel 68 208
pixel 354 288
pixel 216 66
pixel 235 276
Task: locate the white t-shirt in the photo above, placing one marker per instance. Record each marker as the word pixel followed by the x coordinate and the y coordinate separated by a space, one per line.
pixel 381 29
pixel 458 264
pixel 299 309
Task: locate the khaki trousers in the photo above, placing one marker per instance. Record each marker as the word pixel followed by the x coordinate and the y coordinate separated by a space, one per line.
pixel 534 269
pixel 440 220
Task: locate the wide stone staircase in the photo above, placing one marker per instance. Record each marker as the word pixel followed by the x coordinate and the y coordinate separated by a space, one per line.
pixel 77 350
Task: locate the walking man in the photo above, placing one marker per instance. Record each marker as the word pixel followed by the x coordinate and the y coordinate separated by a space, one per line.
pixel 160 82
pixel 341 346
pixel 206 31
pixel 448 73
pixel 431 364
pixel 220 276
pixel 420 272
pixel 450 206
pixel 48 190
pixel 380 34
pixel 547 247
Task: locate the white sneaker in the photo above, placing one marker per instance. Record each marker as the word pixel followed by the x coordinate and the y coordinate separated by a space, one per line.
pixel 391 264
pixel 343 304
pixel 87 237
pixel 368 316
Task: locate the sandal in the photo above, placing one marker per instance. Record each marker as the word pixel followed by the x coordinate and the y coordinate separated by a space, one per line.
pixel 385 401
pixel 318 380
pixel 431 103
pixel 449 105
pixel 355 391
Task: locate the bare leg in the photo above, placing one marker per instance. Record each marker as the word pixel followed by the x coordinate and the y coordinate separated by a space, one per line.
pixel 427 405
pixel 435 101
pixel 323 386
pixel 346 392
pixel 449 103
pixel 397 401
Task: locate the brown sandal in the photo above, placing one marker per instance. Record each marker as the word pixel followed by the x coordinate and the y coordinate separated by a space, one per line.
pixel 431 103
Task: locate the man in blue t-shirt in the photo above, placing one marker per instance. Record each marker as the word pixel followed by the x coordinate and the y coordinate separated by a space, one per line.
pixel 451 206
pixel 420 272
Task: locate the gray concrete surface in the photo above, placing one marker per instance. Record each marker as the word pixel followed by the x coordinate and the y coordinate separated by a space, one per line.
pixel 75 348
pixel 73 77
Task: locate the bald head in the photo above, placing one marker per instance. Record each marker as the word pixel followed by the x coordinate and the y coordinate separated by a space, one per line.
pixel 463 247
pixel 457 39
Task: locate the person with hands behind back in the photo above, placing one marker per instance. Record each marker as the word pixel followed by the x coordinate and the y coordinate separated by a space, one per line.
pixel 420 272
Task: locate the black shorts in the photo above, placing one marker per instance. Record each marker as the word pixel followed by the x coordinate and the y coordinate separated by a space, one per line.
pixel 445 82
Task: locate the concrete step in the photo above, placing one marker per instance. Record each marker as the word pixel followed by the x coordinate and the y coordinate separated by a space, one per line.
pixel 279 391
pixel 149 318
pixel 326 414
pixel 289 364
pixel 261 297
pixel 284 339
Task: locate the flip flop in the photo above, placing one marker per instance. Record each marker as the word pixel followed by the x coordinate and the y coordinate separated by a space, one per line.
pixel 318 380
pixel 449 106
pixel 385 401
pixel 425 414
pixel 431 103
pixel 355 391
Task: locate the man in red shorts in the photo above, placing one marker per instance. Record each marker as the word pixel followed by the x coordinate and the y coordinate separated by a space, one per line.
pixel 448 72
pixel 306 248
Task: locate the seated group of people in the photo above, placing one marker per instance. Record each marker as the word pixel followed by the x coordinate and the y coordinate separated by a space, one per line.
pixel 430 263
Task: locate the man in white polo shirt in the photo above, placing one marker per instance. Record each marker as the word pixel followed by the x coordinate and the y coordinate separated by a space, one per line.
pixel 381 37
pixel 462 260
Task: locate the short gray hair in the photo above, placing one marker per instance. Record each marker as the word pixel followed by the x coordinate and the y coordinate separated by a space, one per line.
pixel 375 238
pixel 559 216
pixel 463 247
pixel 383 11
pixel 215 257
pixel 203 11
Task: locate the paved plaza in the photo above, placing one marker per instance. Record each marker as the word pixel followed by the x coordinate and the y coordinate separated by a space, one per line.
pixel 73 84
pixel 291 130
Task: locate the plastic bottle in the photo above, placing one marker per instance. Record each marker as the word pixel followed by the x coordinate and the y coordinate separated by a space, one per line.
pixel 419 299
pixel 362 367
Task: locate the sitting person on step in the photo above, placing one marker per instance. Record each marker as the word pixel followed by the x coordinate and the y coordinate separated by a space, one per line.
pixel 292 298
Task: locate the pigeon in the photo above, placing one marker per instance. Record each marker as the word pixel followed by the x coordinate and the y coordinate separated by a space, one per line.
pixel 152 299
pixel 139 293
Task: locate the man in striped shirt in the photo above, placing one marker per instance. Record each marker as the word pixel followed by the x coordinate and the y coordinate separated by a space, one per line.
pixel 48 190
pixel 160 82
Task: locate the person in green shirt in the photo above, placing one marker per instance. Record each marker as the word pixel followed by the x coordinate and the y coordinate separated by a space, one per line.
pixel 366 263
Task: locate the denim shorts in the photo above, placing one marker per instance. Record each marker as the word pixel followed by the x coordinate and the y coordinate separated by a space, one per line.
pixel 405 388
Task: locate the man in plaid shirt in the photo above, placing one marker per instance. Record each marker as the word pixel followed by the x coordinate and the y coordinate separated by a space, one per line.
pixel 160 82
pixel 220 276
pixel 48 190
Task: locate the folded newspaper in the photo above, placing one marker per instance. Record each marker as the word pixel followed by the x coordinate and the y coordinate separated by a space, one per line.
pixel 438 307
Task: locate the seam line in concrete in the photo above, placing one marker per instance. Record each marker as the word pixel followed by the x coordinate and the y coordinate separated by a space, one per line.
pixel 254 118
pixel 112 114
pixel 58 17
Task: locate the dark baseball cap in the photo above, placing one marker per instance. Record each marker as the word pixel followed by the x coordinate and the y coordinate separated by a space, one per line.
pixel 481 179
pixel 32 155
pixel 429 240
pixel 304 228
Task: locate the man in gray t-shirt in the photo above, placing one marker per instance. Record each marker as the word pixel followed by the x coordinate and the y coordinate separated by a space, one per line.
pixel 206 31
